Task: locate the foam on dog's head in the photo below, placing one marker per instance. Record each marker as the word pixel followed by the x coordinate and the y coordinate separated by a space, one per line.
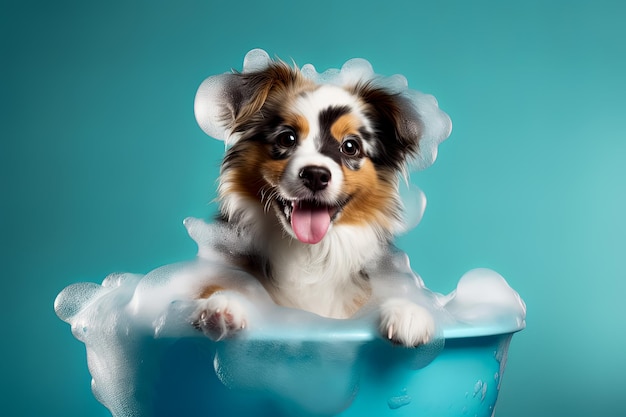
pixel 216 95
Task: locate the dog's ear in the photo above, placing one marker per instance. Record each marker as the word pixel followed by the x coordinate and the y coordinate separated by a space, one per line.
pixel 409 124
pixel 226 103
pixel 215 104
pixel 397 124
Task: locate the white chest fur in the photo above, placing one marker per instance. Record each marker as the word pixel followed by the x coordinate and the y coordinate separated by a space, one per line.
pixel 325 278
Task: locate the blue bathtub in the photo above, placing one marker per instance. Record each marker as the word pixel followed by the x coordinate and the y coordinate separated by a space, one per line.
pixel 298 364
pixel 347 376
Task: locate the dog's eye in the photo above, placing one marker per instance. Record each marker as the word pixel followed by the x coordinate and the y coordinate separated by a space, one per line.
pixel 286 139
pixel 350 147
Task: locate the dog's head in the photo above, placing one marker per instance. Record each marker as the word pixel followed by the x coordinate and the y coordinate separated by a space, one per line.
pixel 315 156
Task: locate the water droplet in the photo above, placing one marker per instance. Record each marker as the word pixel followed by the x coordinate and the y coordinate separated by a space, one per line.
pixel 478 387
pixel 399 401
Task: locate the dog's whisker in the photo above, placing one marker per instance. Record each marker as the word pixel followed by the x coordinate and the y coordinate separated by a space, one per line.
pixel 267 196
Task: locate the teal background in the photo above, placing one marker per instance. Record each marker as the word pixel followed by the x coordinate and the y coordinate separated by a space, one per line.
pixel 101 159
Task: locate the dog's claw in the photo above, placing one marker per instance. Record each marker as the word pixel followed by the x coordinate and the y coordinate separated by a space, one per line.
pixel 406 323
pixel 219 316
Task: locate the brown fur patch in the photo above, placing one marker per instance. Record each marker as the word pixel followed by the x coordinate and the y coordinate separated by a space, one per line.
pixel 209 291
pixel 298 122
pixel 345 125
pixel 272 170
pixel 254 173
pixel 243 177
pixel 270 88
pixel 372 197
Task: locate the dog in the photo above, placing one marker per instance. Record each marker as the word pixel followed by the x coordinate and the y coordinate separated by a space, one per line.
pixel 311 176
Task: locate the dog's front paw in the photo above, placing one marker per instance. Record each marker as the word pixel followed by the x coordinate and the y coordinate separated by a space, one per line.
pixel 220 316
pixel 406 323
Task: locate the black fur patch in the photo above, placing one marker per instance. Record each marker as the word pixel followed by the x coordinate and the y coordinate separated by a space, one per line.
pixel 329 145
pixel 394 139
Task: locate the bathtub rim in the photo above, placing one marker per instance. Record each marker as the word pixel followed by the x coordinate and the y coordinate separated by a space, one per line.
pixel 343 332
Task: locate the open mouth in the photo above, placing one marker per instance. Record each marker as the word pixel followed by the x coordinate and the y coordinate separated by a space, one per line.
pixel 309 220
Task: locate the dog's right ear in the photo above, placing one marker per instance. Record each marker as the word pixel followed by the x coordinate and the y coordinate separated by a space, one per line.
pixel 219 98
pixel 224 103
pixel 218 101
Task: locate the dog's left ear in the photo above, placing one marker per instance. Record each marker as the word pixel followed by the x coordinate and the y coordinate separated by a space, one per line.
pixel 409 124
pixel 396 121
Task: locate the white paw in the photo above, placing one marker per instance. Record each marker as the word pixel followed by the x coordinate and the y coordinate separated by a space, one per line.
pixel 406 323
pixel 220 316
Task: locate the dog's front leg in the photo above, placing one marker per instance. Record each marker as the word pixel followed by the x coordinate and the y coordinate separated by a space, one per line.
pixel 406 323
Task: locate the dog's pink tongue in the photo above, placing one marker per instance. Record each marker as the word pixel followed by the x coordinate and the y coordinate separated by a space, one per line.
pixel 310 223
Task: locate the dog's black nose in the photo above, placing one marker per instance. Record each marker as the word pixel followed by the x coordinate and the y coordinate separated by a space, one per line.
pixel 315 178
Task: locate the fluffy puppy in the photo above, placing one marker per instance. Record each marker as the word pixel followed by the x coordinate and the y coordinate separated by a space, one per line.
pixel 311 176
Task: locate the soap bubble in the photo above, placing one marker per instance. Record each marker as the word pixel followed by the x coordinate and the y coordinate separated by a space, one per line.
pixel 413 206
